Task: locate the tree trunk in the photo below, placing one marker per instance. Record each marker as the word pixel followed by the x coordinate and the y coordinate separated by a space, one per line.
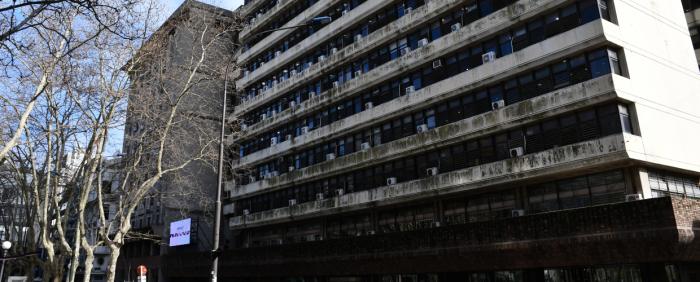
pixel 112 268
pixel 89 258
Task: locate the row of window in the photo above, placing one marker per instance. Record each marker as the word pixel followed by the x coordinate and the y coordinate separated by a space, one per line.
pixel 593 189
pixel 281 18
pixel 563 130
pixel 524 86
pixel 299 34
pixel 462 15
pixel 457 62
pixel 665 183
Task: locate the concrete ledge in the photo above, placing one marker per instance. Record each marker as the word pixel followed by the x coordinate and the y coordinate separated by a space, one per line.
pixel 338 25
pixel 603 151
pixel 264 19
pixel 529 58
pixel 468 34
pixel 389 32
pixel 539 54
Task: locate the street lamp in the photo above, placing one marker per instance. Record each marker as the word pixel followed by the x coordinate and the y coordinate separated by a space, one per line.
pixel 6 245
pixel 216 250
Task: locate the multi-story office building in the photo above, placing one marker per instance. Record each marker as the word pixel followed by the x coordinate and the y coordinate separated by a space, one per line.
pixel 177 69
pixel 463 140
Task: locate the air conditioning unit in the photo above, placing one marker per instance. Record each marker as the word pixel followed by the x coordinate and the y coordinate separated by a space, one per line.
pixel 330 156
pixel 273 141
pixel 304 129
pixel 405 50
pixel 432 171
pixel 456 27
pixel 437 63
pixel 391 181
pixel 495 105
pixel 516 152
pixel 336 84
pixel 292 104
pixel 410 89
pixel 289 137
pixel 340 192
pixel 333 50
pixel 292 202
pixel 368 105
pixel 358 73
pixel 290 168
pixel 358 37
pixel 422 128
pixel 517 213
pixel 321 58
pixel 422 42
pixel 633 197
pixel 488 57
pixel 246 212
pixel 365 146
pixel 319 196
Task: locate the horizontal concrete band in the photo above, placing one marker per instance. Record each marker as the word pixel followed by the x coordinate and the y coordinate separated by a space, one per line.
pixel 497 21
pixel 530 57
pixel 379 37
pixel 554 103
pixel 526 59
pixel 602 151
pixel 338 25
pixel 264 19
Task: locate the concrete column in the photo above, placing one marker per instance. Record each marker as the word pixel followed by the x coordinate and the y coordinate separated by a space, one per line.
pixel 640 182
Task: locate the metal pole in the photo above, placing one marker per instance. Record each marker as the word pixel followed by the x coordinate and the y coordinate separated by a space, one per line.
pixel 2 268
pixel 217 218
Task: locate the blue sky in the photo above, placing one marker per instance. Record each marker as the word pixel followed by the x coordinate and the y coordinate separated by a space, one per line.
pixel 171 5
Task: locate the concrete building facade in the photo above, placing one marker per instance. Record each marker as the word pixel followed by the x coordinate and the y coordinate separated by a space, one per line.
pixel 462 140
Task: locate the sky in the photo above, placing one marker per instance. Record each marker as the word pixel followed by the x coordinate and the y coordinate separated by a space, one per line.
pixel 171 5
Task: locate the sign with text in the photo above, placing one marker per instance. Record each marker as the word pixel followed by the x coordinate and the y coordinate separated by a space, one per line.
pixel 180 232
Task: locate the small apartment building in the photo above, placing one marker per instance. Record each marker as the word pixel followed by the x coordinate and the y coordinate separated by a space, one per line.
pixel 463 140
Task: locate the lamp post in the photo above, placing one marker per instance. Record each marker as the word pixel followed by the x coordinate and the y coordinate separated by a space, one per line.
pixel 6 245
pixel 216 251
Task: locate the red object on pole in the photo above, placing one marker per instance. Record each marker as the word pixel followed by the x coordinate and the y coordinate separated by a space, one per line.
pixel 141 270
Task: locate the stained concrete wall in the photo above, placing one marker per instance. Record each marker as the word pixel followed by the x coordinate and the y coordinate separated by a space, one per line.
pixel 311 12
pixel 551 104
pixel 478 30
pixel 599 152
pixel 264 19
pixel 529 58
